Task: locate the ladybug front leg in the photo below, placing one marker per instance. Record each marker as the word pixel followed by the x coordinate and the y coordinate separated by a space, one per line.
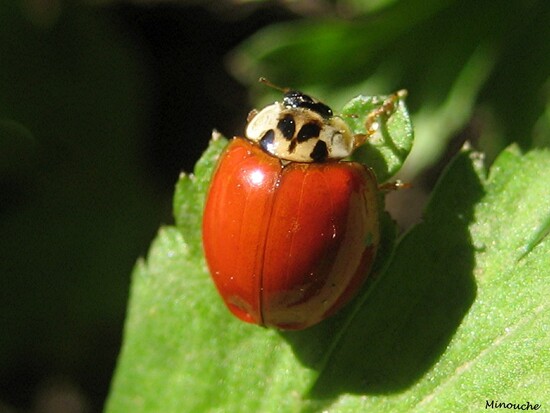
pixel 385 110
pixel 372 121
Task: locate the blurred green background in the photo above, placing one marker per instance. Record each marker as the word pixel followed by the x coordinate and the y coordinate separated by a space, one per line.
pixel 103 103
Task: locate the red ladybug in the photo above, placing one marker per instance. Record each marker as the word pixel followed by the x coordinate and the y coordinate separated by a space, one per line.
pixel 290 232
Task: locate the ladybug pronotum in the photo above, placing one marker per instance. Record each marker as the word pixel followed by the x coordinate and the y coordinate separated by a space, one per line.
pixel 290 231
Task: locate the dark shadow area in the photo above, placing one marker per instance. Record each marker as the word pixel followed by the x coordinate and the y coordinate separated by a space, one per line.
pixel 406 320
pixel 185 50
pixel 101 108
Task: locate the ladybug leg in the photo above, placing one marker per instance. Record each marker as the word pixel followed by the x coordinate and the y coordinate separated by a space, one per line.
pixel 386 109
pixel 394 186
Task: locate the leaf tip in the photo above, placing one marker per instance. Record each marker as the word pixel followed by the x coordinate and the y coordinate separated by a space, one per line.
pixel 216 136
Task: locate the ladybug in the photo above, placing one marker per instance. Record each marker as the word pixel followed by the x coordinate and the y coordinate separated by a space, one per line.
pixel 290 231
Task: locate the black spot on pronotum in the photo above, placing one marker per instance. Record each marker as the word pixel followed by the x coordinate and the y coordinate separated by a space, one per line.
pixel 287 126
pixel 292 146
pixel 308 131
pixel 267 140
pixel 319 152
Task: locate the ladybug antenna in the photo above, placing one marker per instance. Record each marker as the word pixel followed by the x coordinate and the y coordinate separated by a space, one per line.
pixel 273 85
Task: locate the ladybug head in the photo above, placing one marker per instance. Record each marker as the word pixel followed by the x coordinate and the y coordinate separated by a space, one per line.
pixel 297 99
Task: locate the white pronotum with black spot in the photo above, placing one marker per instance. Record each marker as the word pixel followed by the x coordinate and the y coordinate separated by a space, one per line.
pixel 301 129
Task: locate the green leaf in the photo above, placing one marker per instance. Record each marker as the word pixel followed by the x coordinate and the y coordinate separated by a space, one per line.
pixel 457 317
pixel 190 190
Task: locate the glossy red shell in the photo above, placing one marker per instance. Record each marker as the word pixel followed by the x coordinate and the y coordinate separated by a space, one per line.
pixel 287 246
